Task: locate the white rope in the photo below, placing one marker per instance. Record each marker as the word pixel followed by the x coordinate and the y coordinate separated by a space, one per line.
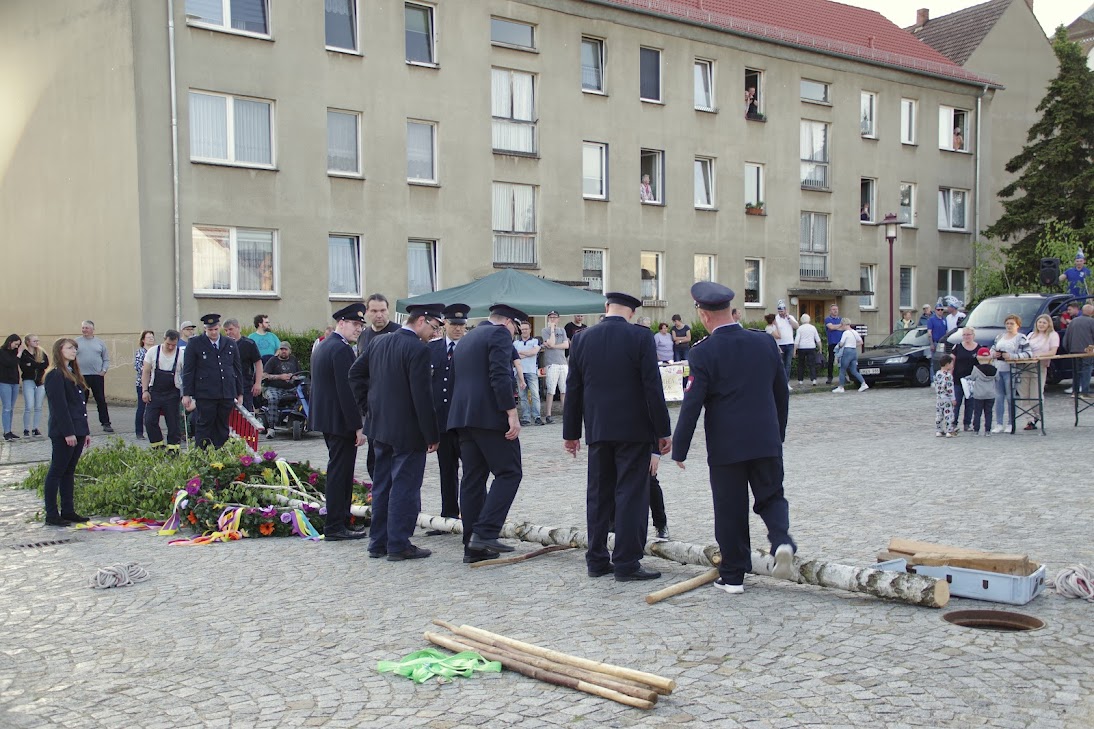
pixel 117 575
pixel 1075 581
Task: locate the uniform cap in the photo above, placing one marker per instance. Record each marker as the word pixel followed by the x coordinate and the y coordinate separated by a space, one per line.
pixel 616 297
pixel 431 311
pixel 210 320
pixel 712 296
pixel 508 312
pixel 456 313
pixel 353 312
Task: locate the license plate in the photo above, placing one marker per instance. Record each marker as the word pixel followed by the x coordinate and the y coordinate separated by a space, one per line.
pixel 870 371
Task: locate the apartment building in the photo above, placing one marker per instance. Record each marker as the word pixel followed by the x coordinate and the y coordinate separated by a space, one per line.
pixel 167 158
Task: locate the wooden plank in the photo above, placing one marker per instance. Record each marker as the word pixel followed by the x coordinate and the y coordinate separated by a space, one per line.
pixel 1005 564
pixel 911 546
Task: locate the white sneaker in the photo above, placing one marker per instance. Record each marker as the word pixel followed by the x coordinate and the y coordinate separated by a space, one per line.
pixel 788 387
pixel 1069 390
pixel 863 387
pixel 784 562
pixel 839 389
pixel 997 429
pixel 813 383
pixel 731 589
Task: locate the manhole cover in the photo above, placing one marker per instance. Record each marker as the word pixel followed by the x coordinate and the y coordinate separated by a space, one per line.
pixel 35 545
pixel 1000 620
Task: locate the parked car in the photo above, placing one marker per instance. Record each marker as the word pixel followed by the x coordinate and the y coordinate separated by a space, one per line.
pixel 903 356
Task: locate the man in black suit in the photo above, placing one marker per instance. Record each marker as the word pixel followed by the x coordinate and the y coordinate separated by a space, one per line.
pixel 738 376
pixel 334 413
pixel 391 380
pixel 615 388
pixel 376 314
pixel 212 382
pixel 484 410
pixel 441 353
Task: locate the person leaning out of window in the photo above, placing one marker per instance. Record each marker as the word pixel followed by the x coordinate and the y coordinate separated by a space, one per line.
pixel 32 366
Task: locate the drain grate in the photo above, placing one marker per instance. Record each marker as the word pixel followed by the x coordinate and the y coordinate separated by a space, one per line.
pixel 999 620
pixel 36 545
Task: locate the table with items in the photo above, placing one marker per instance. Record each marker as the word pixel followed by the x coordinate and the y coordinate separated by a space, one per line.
pixel 1033 405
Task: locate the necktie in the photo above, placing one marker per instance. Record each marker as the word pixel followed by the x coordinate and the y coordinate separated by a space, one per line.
pixel 451 346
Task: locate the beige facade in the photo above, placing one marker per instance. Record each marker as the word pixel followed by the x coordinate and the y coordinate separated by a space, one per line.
pixel 86 163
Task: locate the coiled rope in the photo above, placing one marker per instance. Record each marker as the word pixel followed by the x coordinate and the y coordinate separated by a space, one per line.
pixel 1075 581
pixel 117 575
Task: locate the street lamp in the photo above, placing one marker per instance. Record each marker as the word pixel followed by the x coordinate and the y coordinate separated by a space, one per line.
pixel 892 225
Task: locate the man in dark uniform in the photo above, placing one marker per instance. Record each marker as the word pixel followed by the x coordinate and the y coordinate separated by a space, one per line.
pixel 442 350
pixel 391 379
pixel 376 314
pixel 335 414
pixel 614 387
pixel 738 376
pixel 484 410
pixel 250 360
pixel 212 378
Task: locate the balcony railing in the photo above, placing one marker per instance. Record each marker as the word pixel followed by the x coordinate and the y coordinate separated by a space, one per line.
pixel 813 265
pixel 815 175
pixel 515 248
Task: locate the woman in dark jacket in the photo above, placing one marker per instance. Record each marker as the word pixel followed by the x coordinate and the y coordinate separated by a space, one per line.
pixel 964 357
pixel 9 380
pixel 67 429
pixel 32 365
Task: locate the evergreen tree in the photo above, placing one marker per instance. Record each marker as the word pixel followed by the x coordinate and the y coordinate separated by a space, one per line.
pixel 1056 165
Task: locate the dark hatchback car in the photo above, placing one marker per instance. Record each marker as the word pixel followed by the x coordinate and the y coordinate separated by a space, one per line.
pixel 903 356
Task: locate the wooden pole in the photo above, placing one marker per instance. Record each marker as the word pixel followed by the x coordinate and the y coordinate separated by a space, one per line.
pixel 682 587
pixel 520 557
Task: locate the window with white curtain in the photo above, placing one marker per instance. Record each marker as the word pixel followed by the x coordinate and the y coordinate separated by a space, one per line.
pixel 421 266
pixel 704 85
pixel 344 265
pixel 514 223
pixel 594 170
pixel 907 203
pixel 341 19
pixel 343 142
pixel 705 267
pixel 420 41
pixel 814 155
pixel 247 16
pixel 951 282
pixel 867 278
pixel 649 66
pixel 653 276
pixel 234 260
pixel 512 106
pixel 953 129
pixel 421 151
pixel 868 115
pixel 907 287
pixel 592 65
pixel 754 185
pixel 908 114
pixel 231 129
pixel 951 208
pixel 593 270
pixel 813 246
pixel 704 182
pixel 753 281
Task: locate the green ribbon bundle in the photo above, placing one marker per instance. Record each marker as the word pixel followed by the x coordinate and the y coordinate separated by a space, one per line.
pixel 421 666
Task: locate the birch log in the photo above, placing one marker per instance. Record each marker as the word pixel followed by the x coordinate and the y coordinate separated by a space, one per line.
pixel 913 589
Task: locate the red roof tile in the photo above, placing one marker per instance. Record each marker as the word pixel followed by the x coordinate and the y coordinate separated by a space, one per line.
pixel 818 25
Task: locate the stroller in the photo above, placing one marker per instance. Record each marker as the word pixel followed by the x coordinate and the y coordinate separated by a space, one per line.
pixel 292 408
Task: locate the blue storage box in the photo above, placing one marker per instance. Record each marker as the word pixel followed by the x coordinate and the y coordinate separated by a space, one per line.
pixel 978 584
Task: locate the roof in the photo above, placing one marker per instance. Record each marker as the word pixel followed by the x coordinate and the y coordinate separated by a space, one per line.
pixel 816 25
pixel 959 34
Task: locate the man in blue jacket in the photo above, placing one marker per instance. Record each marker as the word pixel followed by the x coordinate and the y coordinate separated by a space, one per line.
pixel 442 350
pixel 212 378
pixel 738 377
pixel 391 384
pixel 614 387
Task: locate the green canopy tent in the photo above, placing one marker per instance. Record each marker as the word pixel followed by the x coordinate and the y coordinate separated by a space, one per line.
pixel 531 294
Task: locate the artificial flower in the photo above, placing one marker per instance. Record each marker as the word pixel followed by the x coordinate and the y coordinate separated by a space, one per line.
pixel 313 478
pixel 246 460
pixel 266 528
pixel 269 456
pixel 191 518
pixel 217 465
pixel 286 517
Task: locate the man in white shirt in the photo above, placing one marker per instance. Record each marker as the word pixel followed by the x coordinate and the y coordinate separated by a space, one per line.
pixel 786 326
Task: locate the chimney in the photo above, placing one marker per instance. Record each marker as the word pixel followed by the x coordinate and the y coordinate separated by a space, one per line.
pixel 922 16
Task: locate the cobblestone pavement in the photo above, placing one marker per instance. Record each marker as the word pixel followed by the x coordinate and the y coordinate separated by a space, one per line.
pixel 281 632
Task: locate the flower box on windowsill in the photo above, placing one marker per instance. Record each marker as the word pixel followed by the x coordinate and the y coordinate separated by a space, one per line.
pixel 754 210
pixel 658 303
pixel 757 117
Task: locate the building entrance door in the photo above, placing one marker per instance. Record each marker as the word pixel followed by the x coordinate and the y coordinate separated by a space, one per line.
pixel 817 309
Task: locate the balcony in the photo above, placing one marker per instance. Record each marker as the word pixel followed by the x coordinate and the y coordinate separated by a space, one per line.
pixel 515 249
pixel 813 266
pixel 814 175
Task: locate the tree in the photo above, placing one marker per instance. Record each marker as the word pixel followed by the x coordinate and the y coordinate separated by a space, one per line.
pixel 1057 169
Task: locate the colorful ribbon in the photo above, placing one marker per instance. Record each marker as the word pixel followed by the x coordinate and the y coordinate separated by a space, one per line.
pixel 227 530
pixel 172 525
pixel 117 524
pixel 423 665
pixel 302 526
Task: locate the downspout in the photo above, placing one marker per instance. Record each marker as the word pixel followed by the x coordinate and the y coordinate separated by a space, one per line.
pixel 174 155
pixel 976 193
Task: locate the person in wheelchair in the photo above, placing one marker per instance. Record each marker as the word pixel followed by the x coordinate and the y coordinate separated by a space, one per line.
pixel 277 376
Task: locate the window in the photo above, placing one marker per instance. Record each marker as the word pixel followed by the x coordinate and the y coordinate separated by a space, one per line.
pixel 231 129
pixel 868 113
pixel 867 277
pixel 704 85
pixel 951 282
pixel 234 260
pixel 592 65
pixel 594 170
pixel 343 142
pixel 512 33
pixel 705 267
pixel 420 42
pixel 704 182
pixel 512 105
pixel 593 269
pixel 754 185
pixel 867 188
pixel 813 247
pixel 814 152
pixel 907 287
pixel 421 151
pixel 951 208
pixel 342 24
pixel 652 164
pixel 907 203
pixel 421 266
pixel 908 112
pixel 514 222
pixel 753 281
pixel 953 129
pixel 650 74
pixel 652 276
pixel 814 91
pixel 344 265
pixel 754 106
pixel 247 16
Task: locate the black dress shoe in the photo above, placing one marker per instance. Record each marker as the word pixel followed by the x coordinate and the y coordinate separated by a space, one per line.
pixel 75 518
pixel 663 533
pixel 57 521
pixel 411 552
pixel 357 529
pixel 342 535
pixel 638 575
pixel 601 571
pixel 471 556
pixel 478 542
pixel 107 428
pixel 377 554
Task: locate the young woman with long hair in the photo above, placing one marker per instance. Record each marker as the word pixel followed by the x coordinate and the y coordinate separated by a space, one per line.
pixel 146 341
pixel 33 364
pixel 9 380
pixel 68 430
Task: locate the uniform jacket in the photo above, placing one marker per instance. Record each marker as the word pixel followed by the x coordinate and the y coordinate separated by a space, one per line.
pixel 614 386
pixel 390 381
pixel 442 379
pixel 67 408
pixel 333 409
pixel 737 376
pixel 211 374
pixel 482 391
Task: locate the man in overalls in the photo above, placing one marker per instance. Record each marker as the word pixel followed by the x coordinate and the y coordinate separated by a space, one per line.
pixel 161 393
